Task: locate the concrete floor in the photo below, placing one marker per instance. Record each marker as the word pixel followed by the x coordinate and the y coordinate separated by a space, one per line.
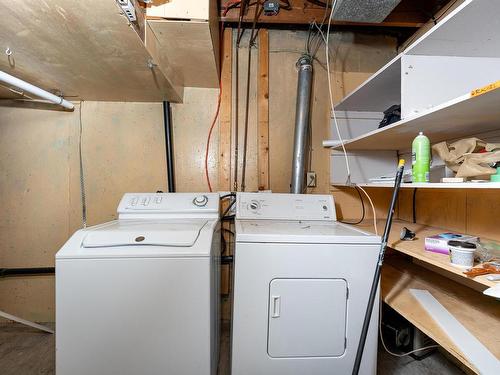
pixel 25 351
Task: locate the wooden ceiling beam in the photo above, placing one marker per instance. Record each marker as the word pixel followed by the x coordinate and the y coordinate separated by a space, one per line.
pixel 303 12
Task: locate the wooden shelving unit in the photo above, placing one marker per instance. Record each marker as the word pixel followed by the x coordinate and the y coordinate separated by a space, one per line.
pixel 415 249
pixel 447 83
pixel 478 313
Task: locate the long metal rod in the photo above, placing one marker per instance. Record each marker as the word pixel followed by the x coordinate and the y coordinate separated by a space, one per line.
pixel 169 146
pixel 378 270
pixel 34 90
pixel 302 114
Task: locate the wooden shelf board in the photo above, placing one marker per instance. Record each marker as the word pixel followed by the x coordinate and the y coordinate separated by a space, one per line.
pixel 416 250
pixel 433 185
pixel 478 313
pixel 454 119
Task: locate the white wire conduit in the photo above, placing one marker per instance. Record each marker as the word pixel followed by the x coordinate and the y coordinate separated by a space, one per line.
pixel 26 87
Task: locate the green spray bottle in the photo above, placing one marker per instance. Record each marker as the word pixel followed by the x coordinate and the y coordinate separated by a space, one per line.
pixel 421 158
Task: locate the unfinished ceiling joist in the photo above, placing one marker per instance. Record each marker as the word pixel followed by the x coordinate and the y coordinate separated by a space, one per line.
pixel 388 13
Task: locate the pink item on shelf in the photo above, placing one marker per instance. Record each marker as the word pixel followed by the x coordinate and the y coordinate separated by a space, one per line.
pixel 439 242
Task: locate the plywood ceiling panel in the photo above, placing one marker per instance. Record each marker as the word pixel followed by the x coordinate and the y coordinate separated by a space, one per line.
pixel 82 49
pixel 190 51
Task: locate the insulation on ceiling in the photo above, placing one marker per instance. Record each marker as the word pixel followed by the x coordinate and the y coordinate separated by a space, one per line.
pixel 364 10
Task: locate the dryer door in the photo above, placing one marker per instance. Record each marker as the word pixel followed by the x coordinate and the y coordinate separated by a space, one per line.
pixel 307 318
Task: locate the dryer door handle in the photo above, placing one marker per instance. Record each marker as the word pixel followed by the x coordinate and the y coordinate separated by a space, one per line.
pixel 276 306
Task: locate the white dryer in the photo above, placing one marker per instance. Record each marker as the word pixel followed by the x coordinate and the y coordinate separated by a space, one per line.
pixel 301 285
pixel 139 295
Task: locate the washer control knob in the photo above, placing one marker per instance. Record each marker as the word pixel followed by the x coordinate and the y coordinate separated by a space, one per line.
pixel 200 201
pixel 254 205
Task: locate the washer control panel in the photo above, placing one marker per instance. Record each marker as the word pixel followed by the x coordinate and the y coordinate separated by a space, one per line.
pixel 168 203
pixel 285 206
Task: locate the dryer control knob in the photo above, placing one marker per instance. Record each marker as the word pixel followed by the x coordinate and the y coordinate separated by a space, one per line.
pixel 254 205
pixel 200 200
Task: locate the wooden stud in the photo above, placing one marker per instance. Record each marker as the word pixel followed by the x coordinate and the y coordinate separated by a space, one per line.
pixel 263 110
pixel 225 140
pixel 225 113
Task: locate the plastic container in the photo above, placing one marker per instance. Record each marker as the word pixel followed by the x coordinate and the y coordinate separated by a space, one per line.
pixel 421 158
pixel 495 177
pixel 462 253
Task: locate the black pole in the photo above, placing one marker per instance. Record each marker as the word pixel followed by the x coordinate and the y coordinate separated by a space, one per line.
pixel 169 147
pixel 4 272
pixel 376 276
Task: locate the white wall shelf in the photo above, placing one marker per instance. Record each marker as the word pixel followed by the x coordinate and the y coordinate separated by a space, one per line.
pixel 469 31
pixel 379 92
pixel 456 118
pixel 433 185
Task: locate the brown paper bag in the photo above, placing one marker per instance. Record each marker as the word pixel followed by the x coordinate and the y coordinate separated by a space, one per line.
pixel 464 158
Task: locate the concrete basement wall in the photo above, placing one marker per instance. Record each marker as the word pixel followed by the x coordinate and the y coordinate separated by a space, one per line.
pixel 124 151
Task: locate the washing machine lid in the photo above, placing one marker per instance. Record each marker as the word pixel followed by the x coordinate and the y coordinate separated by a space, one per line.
pixel 301 232
pixel 127 233
pixel 142 238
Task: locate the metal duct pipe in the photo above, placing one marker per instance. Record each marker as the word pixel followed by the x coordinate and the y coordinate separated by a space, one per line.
pixel 302 113
pixel 169 147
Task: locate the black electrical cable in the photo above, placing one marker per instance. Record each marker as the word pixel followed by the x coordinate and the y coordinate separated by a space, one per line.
pixel 225 248
pixel 227 195
pixel 287 6
pixel 227 209
pixel 362 208
pixel 228 230
pixel 228 218
pixel 247 98
pixel 319 3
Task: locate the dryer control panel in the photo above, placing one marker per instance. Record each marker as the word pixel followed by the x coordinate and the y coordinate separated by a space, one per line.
pixel 273 206
pixel 168 204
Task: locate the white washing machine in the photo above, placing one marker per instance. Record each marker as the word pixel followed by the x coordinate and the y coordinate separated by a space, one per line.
pixel 139 295
pixel 301 286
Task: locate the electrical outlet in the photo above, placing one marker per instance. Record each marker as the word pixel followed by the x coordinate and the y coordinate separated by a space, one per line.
pixel 311 179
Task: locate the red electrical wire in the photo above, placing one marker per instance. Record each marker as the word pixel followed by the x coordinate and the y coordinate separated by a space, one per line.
pixel 210 135
pixel 214 121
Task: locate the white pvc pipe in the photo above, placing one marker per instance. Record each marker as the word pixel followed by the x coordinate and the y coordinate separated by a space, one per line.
pixel 331 143
pixel 14 318
pixel 29 88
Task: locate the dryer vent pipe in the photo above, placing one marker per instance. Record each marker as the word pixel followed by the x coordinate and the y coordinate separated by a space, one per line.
pixel 302 114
